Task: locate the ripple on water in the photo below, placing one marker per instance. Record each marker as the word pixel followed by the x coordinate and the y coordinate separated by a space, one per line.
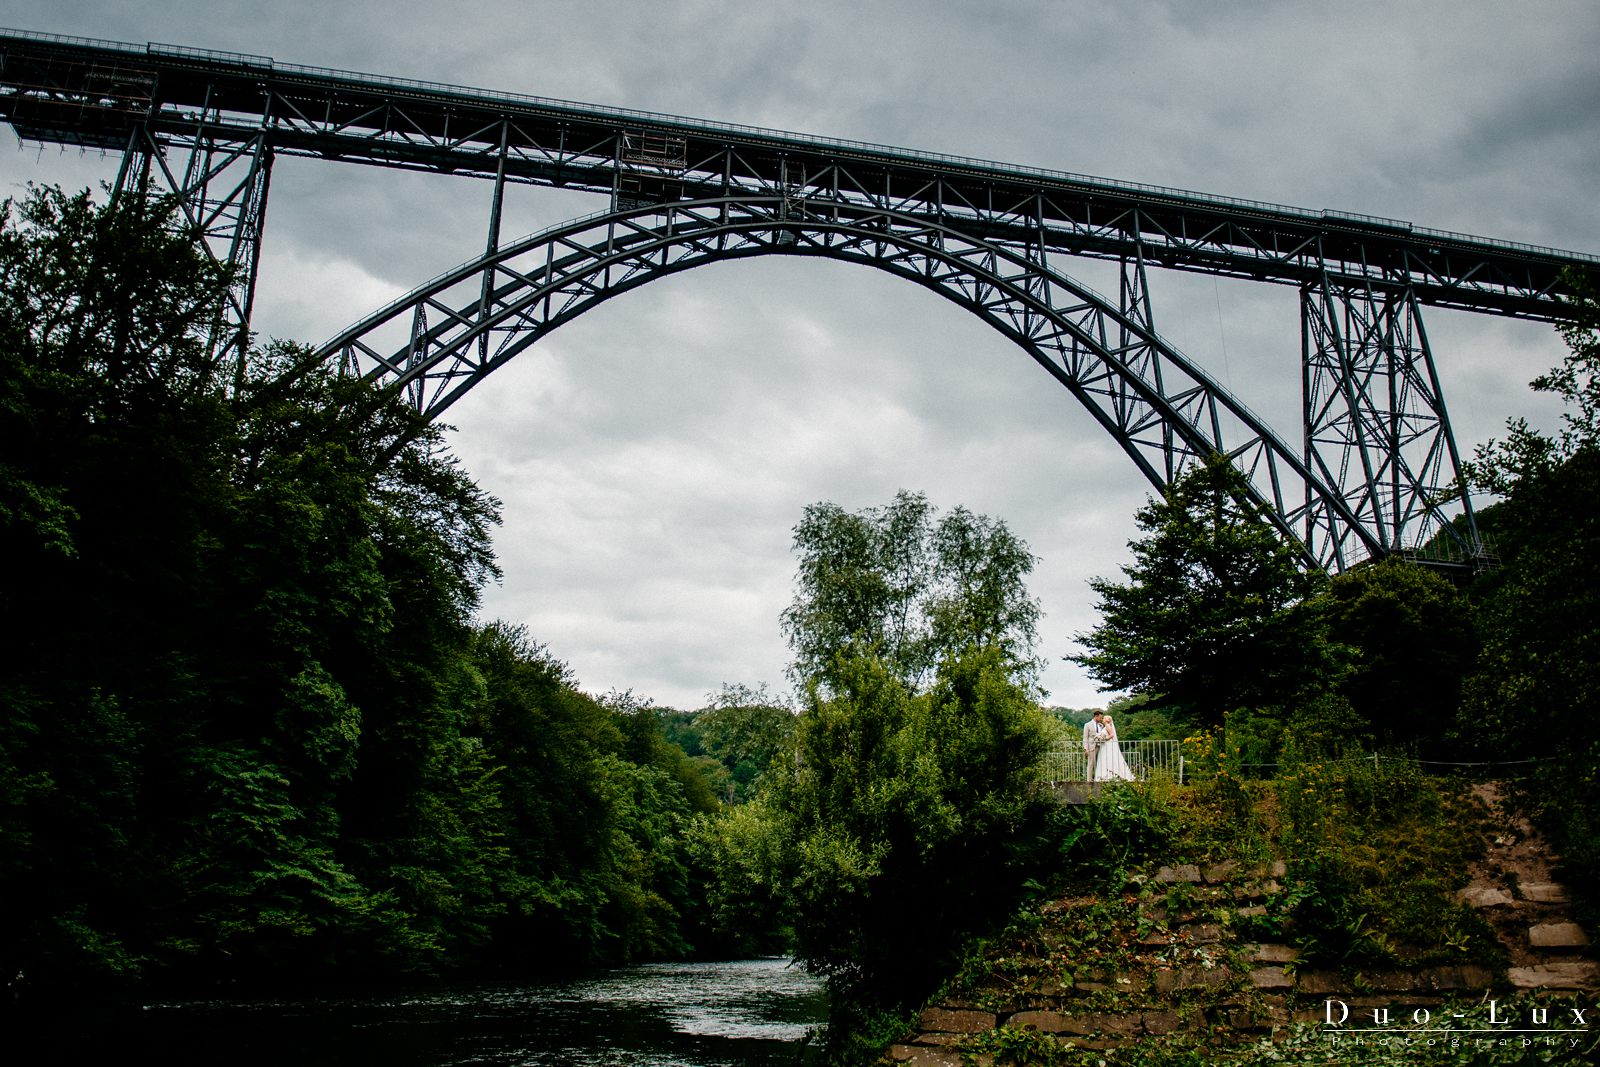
pixel 750 999
pixel 742 1013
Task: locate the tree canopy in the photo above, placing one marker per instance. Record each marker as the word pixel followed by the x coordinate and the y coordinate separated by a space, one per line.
pixel 908 585
pixel 744 729
pixel 889 830
pixel 1537 682
pixel 1412 638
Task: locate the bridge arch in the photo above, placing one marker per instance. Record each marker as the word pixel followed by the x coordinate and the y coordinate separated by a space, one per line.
pixel 448 335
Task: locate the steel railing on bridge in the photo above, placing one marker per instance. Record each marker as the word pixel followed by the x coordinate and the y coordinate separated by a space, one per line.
pixel 1146 759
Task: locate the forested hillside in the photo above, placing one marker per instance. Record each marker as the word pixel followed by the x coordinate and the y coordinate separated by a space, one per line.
pixel 251 728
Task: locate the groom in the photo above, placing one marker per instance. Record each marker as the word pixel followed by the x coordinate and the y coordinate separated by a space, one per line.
pixel 1095 734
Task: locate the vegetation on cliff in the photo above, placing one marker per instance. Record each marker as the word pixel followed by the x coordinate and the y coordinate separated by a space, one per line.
pixel 1245 911
pixel 251 730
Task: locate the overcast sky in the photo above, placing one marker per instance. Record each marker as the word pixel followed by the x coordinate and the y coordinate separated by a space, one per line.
pixel 654 456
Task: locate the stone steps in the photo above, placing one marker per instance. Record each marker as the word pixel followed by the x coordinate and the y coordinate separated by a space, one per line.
pixel 1192 973
pixel 1513 887
pixel 1183 952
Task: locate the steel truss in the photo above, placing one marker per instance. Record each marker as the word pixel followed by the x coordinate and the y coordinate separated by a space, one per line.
pixel 442 339
pixel 1375 425
pixel 220 187
pixel 1378 463
pixel 78 91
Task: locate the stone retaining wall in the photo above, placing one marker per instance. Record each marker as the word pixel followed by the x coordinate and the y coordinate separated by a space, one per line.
pixel 1251 989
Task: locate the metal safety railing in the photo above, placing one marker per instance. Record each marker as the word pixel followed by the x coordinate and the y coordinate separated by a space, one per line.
pixel 1145 759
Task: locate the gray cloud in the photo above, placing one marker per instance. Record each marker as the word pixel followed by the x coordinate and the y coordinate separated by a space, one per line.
pixel 654 455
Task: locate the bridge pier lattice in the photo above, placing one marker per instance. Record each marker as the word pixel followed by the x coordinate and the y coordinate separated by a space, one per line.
pixel 220 186
pixel 1375 426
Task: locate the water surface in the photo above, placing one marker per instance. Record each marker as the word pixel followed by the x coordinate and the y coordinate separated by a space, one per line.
pixel 744 1013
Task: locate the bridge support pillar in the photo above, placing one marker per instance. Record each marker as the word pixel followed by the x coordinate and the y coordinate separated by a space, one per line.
pixel 1375 424
pixel 221 190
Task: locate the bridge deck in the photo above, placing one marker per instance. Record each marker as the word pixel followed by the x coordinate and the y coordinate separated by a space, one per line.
pixel 96 93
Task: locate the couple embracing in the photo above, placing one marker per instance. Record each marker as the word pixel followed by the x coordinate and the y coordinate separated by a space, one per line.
pixel 1102 754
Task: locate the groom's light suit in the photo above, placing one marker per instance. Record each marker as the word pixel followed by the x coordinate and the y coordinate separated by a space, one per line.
pixel 1094 735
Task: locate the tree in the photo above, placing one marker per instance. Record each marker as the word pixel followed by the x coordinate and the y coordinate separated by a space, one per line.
pixel 1137 720
pixel 890 835
pixel 1537 681
pixel 250 730
pixel 113 425
pixel 745 730
pixel 1413 641
pixel 908 587
pixel 1213 614
pixel 1542 611
pixel 1527 455
pixel 887 832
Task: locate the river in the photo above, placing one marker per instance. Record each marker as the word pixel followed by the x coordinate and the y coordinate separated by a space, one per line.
pixel 744 1013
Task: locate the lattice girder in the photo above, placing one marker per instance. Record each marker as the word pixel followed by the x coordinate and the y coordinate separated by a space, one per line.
pixel 1166 413
pixel 94 92
pixel 1375 425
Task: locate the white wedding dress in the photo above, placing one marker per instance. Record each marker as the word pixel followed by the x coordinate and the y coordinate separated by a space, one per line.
pixel 1112 766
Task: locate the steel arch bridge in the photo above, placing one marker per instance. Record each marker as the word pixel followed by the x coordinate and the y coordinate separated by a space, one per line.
pixel 1376 470
pixel 438 341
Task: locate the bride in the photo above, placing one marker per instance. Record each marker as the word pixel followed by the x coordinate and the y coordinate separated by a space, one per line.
pixel 1111 765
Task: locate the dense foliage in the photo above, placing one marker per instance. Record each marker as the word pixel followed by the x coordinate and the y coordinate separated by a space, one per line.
pixel 739 732
pixel 1218 621
pixel 1411 639
pixel 250 728
pixel 1537 684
